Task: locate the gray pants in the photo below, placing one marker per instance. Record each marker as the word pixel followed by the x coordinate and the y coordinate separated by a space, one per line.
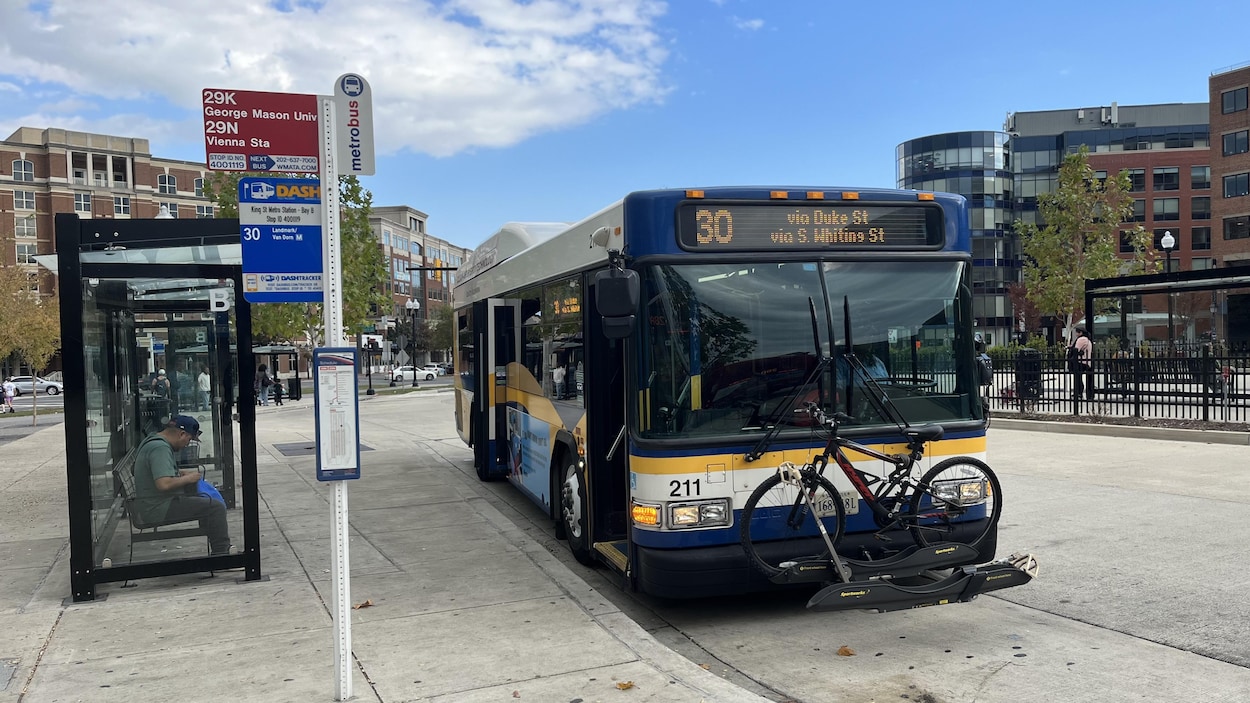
pixel 212 517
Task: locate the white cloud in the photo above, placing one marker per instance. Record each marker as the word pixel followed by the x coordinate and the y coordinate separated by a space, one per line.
pixel 446 76
pixel 750 25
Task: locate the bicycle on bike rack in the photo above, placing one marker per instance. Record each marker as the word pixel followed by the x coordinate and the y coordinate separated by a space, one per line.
pixel 951 512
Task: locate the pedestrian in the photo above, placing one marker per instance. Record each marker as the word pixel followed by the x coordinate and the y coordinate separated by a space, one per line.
pixel 204 385
pixel 166 494
pixel 557 376
pixel 262 384
pixel 9 390
pixel 277 389
pixel 1081 364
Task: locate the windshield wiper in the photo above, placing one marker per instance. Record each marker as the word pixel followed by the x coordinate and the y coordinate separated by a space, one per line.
pixel 774 425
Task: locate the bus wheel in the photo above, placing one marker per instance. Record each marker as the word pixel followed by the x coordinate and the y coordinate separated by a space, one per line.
pixel 573 510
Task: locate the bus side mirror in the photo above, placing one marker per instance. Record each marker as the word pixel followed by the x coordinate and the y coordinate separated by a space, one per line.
pixel 616 301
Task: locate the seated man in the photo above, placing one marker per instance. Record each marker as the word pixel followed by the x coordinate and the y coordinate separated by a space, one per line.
pixel 165 494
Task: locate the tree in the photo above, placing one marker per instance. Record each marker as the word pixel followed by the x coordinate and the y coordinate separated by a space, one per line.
pixel 1028 319
pixel 30 325
pixel 442 326
pixel 362 265
pixel 1083 230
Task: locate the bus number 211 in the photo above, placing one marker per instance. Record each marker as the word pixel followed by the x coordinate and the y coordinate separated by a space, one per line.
pixel 683 488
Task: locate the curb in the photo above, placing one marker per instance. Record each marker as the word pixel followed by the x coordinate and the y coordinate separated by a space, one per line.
pixel 1172 434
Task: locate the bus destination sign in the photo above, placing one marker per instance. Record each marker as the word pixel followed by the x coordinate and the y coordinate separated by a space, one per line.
pixel 709 226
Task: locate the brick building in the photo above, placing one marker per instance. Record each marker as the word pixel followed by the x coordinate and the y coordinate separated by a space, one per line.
pixel 1230 165
pixel 48 171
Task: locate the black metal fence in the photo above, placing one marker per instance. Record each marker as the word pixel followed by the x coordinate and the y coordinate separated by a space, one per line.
pixel 1181 381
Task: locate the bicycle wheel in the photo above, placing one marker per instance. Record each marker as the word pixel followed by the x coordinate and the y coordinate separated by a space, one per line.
pixel 778 527
pixel 958 500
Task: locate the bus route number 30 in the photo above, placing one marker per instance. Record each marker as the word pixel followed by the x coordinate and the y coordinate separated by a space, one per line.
pixel 715 226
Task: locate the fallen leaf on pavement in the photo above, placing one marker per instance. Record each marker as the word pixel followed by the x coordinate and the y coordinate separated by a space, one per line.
pixel 366 604
pixel 625 685
pixel 845 651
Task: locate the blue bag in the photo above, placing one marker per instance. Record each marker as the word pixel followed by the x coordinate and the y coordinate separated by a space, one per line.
pixel 208 490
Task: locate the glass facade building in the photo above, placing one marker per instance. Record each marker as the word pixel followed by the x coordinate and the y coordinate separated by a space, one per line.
pixel 978 166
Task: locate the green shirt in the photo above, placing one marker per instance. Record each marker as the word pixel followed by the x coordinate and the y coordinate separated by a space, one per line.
pixel 154 459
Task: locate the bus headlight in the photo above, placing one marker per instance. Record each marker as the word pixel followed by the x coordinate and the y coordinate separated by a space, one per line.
pixel 645 514
pixel 708 513
pixel 965 492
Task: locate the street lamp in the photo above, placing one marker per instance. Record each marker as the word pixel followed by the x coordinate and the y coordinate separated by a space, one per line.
pixel 1167 242
pixel 412 306
pixel 369 360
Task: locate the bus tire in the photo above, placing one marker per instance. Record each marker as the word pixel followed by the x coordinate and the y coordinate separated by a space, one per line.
pixel 573 509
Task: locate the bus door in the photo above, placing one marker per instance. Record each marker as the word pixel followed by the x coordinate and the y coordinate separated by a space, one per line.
pixel 607 439
pixel 502 341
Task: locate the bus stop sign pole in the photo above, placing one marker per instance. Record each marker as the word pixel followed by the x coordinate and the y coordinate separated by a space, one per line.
pixel 332 317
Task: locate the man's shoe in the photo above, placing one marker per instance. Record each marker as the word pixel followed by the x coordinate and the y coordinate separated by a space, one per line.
pixel 229 552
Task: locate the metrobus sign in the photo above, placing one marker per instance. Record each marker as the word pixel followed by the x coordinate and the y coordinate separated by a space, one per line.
pixel 246 130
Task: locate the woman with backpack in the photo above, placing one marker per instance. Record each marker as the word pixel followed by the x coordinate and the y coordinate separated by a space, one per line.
pixel 1081 364
pixel 263 382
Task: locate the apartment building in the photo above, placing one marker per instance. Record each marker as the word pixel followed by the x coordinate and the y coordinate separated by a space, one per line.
pixel 48 171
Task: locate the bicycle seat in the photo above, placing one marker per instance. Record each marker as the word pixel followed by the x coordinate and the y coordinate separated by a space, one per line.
pixel 924 433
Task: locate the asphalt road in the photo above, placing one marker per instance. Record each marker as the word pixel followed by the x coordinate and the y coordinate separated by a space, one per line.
pixel 1140 595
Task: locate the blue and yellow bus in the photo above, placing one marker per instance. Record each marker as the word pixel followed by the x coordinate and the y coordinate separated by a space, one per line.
pixel 618 370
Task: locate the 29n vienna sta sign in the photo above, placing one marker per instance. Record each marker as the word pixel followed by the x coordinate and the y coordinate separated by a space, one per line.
pixel 247 130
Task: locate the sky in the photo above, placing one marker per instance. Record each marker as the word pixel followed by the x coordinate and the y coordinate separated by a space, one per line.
pixel 492 111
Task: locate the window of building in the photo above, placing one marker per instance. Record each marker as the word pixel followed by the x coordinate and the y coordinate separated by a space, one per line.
pixel 82 202
pixel 1237 185
pixel 166 183
pixel 23 170
pixel 1137 179
pixel 25 227
pixel 1126 244
pixel 171 207
pixel 199 187
pixel 416 248
pixel 204 211
pixel 1237 142
pixel 1201 263
pixel 1139 211
pixel 1237 227
pixel 386 237
pixel 1200 238
pixel 1200 208
pixel 121 205
pixel 1200 177
pixel 1167 178
pixel 1167 209
pixel 24 200
pixel 1233 100
pixel 26 253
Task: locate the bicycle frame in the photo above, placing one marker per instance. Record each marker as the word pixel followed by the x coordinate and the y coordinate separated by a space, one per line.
pixel 898 483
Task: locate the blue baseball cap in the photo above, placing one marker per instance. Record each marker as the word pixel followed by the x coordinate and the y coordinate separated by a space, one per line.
pixel 187 424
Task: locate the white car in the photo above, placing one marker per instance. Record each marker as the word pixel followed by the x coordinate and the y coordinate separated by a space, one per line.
pixel 404 373
pixel 23 385
pixel 435 369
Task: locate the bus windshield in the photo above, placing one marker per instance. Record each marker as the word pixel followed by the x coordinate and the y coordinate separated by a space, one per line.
pixel 726 345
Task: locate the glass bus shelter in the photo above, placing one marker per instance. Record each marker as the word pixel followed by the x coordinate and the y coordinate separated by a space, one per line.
pixel 138 298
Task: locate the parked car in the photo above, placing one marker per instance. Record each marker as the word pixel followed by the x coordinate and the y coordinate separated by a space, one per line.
pixel 447 369
pixel 23 385
pixel 404 373
pixel 435 369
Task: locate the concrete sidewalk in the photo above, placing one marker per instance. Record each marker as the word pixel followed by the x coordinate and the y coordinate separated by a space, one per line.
pixel 464 607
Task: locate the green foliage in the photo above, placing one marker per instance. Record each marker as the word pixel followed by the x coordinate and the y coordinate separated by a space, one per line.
pixel 30 325
pixel 442 325
pixel 1081 239
pixel 362 264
